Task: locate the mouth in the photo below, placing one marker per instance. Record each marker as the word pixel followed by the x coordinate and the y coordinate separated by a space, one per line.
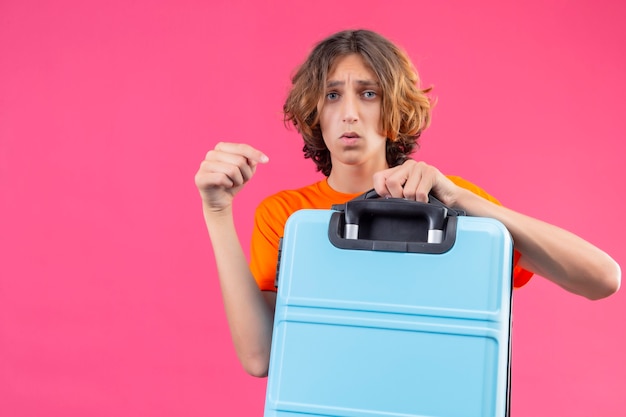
pixel 349 139
pixel 350 135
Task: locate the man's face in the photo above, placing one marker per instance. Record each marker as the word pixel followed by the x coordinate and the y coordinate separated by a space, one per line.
pixel 350 115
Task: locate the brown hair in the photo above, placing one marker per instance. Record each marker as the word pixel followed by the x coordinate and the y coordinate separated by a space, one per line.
pixel 405 108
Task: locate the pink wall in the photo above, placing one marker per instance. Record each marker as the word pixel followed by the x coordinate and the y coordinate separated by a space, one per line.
pixel 109 303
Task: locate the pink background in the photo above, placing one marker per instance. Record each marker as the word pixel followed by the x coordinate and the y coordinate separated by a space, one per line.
pixel 109 302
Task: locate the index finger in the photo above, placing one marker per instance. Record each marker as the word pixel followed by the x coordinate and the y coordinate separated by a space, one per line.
pixel 243 149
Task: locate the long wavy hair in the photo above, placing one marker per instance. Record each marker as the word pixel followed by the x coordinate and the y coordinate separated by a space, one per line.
pixel 405 107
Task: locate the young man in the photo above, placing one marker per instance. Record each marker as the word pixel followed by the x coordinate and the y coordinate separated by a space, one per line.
pixel 357 103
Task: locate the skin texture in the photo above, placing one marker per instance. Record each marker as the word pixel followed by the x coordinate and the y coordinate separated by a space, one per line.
pixel 350 123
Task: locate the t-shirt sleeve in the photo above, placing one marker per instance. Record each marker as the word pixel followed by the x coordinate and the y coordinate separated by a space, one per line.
pixel 521 276
pixel 269 220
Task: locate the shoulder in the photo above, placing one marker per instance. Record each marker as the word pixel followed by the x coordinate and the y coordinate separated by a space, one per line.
pixel 463 183
pixel 281 205
pixel 289 198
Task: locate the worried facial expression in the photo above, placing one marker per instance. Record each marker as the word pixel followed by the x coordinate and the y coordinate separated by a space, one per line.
pixel 350 115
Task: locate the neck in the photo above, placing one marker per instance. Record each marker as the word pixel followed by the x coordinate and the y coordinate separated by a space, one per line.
pixel 352 179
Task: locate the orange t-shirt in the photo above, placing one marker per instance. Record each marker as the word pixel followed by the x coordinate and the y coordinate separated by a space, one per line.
pixel 271 216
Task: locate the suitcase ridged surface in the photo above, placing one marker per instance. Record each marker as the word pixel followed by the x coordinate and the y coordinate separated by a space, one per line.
pixel 373 333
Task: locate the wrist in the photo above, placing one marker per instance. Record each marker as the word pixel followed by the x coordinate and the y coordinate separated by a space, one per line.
pixel 216 214
pixel 469 202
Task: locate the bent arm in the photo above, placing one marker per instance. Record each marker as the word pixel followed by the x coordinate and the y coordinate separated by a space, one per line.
pixel 223 172
pixel 554 253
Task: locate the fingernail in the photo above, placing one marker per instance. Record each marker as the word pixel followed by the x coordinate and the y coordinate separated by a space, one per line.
pixel 264 159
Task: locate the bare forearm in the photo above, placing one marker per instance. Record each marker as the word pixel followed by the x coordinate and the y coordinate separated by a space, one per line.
pixel 552 252
pixel 249 315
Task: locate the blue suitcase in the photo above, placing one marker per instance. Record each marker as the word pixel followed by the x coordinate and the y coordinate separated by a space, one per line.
pixel 387 307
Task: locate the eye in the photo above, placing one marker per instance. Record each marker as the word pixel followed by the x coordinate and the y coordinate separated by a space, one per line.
pixel 369 94
pixel 332 96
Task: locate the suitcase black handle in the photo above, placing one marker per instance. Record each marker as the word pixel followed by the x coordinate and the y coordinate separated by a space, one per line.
pixel 372 194
pixel 356 212
pixel 393 224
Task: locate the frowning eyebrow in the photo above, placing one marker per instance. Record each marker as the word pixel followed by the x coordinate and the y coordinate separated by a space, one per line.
pixel 365 83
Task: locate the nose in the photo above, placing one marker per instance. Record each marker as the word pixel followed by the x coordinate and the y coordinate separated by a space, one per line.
pixel 350 110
